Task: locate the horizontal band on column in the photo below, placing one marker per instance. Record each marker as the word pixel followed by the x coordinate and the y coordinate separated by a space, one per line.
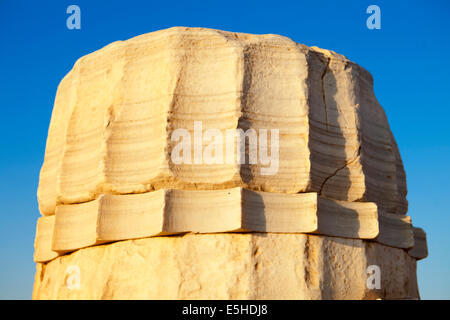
pixel 395 230
pixel 167 211
pixel 420 250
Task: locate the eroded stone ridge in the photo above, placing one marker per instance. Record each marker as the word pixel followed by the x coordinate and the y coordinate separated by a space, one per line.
pixel 231 266
pixel 165 212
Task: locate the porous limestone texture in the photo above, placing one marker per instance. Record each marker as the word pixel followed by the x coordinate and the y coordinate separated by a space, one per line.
pixel 302 223
pixel 230 266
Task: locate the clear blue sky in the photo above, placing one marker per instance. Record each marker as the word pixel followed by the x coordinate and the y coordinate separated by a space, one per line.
pixel 409 59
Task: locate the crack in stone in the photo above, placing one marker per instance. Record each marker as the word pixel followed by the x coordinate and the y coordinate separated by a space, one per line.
pixel 355 157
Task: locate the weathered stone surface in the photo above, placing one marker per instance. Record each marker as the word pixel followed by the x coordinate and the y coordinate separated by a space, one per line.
pixel 395 231
pixel 44 239
pixel 164 212
pixel 116 109
pixel 230 266
pixel 108 176
pixel 420 249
